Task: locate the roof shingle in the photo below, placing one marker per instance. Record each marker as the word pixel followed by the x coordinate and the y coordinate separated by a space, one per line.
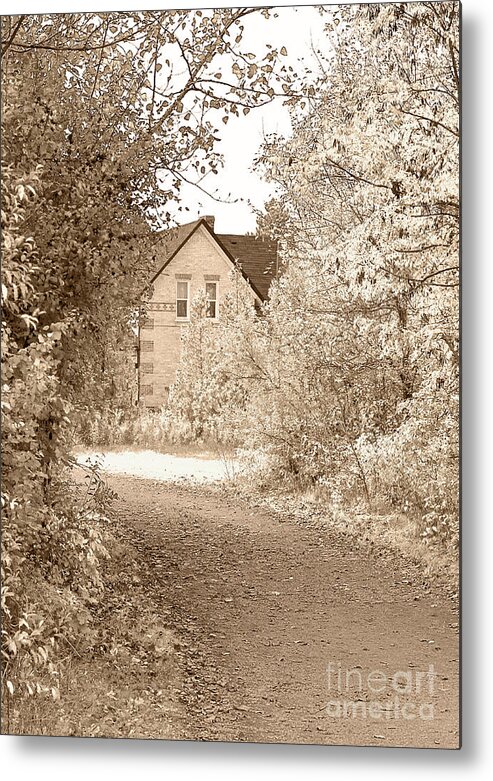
pixel 256 257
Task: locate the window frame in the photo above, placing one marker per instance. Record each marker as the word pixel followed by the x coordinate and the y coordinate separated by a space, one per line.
pixel 187 299
pixel 214 282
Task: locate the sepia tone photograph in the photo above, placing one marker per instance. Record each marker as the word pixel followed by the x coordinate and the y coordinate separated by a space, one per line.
pixel 230 247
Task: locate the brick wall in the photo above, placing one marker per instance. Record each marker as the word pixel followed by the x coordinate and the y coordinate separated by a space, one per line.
pixel 199 260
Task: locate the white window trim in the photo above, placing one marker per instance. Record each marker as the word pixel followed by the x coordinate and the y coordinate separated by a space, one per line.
pixel 181 282
pixel 216 283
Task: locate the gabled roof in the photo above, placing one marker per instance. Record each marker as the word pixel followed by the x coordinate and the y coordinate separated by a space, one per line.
pixel 255 258
pixel 170 241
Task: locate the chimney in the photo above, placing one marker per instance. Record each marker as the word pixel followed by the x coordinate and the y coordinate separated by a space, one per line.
pixel 209 218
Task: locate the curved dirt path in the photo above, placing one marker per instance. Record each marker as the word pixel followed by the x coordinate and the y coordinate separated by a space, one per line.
pixel 264 605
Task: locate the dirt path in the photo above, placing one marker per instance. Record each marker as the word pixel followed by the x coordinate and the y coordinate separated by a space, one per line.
pixel 264 606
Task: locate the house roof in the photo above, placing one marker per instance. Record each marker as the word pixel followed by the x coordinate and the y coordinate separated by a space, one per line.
pixel 170 241
pixel 255 258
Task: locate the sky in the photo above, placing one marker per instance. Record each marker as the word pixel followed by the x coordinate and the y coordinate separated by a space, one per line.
pixel 296 28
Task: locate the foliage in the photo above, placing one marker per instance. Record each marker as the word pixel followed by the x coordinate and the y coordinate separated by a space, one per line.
pixel 351 375
pixel 135 427
pixel 104 116
pixel 208 396
pixel 367 311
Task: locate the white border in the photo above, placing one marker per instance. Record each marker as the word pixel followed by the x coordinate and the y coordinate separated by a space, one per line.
pixel 45 758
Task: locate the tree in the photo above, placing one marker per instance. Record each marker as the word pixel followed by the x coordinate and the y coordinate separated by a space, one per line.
pixel 209 397
pixel 103 117
pixel 364 322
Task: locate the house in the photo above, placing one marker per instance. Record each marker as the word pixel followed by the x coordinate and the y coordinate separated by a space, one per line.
pixel 194 258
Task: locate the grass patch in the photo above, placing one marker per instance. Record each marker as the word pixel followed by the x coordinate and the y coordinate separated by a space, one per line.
pixel 147 429
pixel 178 449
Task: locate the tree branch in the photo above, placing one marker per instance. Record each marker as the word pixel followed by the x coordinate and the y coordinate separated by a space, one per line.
pixel 8 43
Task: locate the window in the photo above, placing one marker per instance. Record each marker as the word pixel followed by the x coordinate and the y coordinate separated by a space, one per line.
pixel 211 299
pixel 147 368
pixel 182 293
pixel 147 346
pixel 147 390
